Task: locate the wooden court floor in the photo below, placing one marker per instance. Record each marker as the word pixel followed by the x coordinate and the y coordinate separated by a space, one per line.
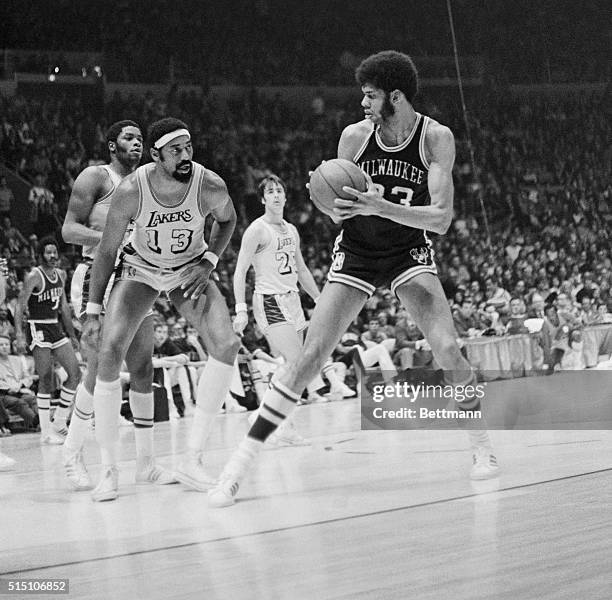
pixel 358 515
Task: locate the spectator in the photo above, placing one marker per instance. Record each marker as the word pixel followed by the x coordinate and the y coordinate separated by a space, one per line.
pixel 466 320
pixel 41 204
pixel 496 296
pixel 516 319
pixel 15 388
pixel 6 198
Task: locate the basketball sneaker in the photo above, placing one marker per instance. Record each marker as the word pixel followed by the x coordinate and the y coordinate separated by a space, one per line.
pixel 315 397
pixel 191 472
pixel 59 428
pixel 108 487
pixel 76 472
pixel 347 392
pixel 287 435
pixel 152 473
pixel 484 464
pixel 224 493
pixel 6 462
pixel 51 438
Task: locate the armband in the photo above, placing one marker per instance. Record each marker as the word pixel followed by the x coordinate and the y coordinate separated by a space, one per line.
pixel 211 257
pixel 92 308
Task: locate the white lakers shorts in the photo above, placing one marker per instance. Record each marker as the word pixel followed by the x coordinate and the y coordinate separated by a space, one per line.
pixel 278 309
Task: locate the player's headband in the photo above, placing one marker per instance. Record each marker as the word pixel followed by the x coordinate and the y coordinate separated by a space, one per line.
pixel 168 137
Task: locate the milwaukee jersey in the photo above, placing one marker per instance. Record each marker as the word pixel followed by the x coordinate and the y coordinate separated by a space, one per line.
pixel 43 305
pixel 169 236
pixel 274 263
pixel 99 211
pixel 400 173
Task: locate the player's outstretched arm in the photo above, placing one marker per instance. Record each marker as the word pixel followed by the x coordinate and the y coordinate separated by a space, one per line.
pixel 88 187
pixel 124 207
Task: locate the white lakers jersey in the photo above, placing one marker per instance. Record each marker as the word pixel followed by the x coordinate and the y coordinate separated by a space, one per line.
pixel 274 264
pixel 99 211
pixel 169 236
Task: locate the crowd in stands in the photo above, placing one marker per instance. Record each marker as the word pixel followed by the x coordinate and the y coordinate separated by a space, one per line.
pixel 541 262
pixel 318 42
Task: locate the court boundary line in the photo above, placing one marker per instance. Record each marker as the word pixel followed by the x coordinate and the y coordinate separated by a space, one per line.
pixel 303 525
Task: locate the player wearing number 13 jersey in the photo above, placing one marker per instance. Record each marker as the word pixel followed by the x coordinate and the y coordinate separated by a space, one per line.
pixel 168 202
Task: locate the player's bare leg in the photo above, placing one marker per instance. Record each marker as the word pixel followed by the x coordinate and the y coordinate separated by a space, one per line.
pixel 66 357
pixel 210 316
pixel 129 303
pixel 44 369
pixel 336 308
pixel 426 302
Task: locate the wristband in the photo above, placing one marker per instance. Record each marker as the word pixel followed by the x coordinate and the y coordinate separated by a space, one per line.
pixel 93 308
pixel 241 307
pixel 211 257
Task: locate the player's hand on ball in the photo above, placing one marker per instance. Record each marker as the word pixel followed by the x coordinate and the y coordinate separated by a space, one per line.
pixel 365 203
pixel 241 320
pixel 197 280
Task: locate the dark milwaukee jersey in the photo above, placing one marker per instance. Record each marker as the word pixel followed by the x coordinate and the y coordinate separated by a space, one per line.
pixel 400 173
pixel 43 305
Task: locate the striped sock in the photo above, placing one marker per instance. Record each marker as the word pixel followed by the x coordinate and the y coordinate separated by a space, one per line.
pixel 65 402
pixel 278 404
pixel 81 418
pixel 141 405
pixel 44 405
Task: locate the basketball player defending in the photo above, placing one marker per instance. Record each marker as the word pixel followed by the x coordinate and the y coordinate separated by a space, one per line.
pixel 408 158
pixel 272 247
pixel 85 220
pixel 43 293
pixel 168 201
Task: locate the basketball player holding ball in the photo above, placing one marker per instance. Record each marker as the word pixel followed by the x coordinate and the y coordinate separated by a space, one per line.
pixel 408 160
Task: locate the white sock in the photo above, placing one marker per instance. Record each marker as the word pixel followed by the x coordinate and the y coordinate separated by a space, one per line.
pixel 107 404
pixel 142 409
pixel 81 419
pixel 43 402
pixel 241 459
pixel 213 388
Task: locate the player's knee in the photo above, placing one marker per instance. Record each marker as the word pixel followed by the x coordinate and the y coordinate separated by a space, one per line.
pixel 110 355
pixel 227 350
pixel 446 346
pixel 45 381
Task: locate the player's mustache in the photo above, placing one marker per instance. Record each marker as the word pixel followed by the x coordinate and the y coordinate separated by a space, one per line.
pixel 184 163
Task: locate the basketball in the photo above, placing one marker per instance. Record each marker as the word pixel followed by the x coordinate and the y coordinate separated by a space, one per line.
pixel 328 179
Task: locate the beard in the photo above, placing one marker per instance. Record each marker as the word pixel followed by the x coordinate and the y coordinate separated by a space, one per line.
pixel 180 176
pixel 387 109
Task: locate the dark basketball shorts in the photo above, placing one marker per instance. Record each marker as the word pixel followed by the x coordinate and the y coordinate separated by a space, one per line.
pixel 368 273
pixel 45 335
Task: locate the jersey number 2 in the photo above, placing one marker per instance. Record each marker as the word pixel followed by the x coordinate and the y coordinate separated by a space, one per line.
pixel 284 268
